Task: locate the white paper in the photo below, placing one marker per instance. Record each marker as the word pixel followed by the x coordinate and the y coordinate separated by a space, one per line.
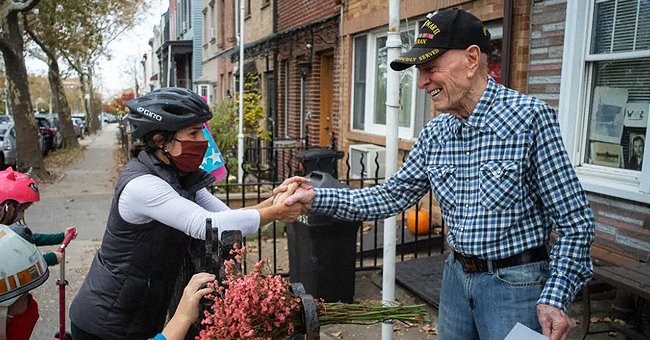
pixel 636 114
pixel 520 332
pixel 608 114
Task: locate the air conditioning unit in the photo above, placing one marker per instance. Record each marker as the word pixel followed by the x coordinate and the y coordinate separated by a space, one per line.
pixel 364 159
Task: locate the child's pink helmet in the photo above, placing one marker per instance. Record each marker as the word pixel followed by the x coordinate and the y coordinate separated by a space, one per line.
pixel 18 187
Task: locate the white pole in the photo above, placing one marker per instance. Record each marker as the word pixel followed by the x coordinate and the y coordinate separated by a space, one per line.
pixel 393 45
pixel 240 136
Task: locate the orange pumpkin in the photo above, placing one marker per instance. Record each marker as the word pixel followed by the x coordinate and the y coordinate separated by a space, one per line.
pixel 422 221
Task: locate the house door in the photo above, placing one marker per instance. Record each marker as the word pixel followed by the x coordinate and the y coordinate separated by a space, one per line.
pixel 326 75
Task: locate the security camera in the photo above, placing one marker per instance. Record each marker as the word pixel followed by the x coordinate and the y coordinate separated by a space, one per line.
pixel 308 46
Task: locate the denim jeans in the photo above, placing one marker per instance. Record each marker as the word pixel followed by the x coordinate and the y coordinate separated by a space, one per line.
pixel 488 305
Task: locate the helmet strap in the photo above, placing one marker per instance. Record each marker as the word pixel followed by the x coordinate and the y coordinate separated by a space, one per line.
pixel 171 164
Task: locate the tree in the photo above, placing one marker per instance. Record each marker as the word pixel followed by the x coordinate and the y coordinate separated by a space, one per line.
pixel 118 105
pixel 47 27
pixel 12 47
pixel 107 20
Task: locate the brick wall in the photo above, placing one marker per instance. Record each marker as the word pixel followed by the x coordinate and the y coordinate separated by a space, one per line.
pixel 546 46
pixel 295 13
pixel 520 45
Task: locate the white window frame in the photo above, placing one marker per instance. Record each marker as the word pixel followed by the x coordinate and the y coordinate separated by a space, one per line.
pixel 575 105
pixel 369 124
pixel 207 89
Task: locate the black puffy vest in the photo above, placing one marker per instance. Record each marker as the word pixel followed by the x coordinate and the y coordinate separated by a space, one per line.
pixel 132 277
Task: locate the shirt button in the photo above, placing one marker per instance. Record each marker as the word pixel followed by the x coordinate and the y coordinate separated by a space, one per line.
pixel 467 180
pixel 467 153
pixel 467 205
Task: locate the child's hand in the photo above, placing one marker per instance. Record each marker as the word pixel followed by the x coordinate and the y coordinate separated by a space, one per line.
pixel 59 256
pixel 72 228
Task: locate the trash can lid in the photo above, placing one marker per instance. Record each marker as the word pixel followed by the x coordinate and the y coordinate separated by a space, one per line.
pixel 319 153
pixel 321 179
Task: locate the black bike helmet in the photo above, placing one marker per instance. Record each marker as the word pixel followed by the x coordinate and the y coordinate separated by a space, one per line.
pixel 166 109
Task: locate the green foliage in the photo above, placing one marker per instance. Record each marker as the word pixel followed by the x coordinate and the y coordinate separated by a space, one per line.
pixel 225 123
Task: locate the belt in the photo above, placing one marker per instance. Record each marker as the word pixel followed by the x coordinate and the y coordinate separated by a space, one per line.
pixel 473 264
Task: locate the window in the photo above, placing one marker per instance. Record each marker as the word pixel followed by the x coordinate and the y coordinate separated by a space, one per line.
pixel 285 96
pixel 204 91
pixel 211 25
pixel 221 16
pixel 606 80
pixel 369 86
pixel 248 8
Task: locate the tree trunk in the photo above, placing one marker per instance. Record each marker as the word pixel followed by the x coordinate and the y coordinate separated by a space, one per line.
pixel 27 136
pixel 56 86
pixel 95 123
pixel 83 86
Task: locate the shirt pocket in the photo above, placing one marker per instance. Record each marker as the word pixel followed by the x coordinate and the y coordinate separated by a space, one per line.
pixel 500 184
pixel 443 181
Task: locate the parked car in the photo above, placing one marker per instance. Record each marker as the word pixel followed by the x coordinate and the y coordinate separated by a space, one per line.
pixel 109 117
pixel 6 119
pixel 83 123
pixel 8 145
pixel 55 125
pixel 48 133
pixel 77 124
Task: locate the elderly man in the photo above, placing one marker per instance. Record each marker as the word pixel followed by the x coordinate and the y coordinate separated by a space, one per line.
pixel 497 165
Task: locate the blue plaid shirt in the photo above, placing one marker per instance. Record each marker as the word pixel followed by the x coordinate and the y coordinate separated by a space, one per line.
pixel 503 180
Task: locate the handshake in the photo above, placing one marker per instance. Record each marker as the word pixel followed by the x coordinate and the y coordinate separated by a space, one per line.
pixel 291 199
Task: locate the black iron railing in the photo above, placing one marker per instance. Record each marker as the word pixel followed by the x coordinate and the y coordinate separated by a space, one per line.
pixel 267 165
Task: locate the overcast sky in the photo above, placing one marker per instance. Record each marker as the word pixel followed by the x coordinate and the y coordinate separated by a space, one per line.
pixel 127 48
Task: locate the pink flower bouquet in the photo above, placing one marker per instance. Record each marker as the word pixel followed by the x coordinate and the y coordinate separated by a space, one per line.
pixel 257 306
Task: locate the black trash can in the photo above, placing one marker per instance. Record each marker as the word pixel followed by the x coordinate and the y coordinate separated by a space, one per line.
pixel 322 250
pixel 319 159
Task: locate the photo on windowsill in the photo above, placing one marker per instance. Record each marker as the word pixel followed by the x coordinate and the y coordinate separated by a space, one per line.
pixel 636 147
pixel 606 154
pixel 608 114
pixel 636 114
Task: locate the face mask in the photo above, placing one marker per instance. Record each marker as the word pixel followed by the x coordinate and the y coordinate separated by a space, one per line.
pixel 191 156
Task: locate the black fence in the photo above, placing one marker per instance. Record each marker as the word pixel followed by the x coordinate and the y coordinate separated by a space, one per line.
pixel 266 165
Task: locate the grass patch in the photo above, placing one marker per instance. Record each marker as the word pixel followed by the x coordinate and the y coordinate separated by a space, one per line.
pixel 57 160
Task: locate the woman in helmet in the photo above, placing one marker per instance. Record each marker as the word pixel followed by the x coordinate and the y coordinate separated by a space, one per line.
pixel 22 269
pixel 18 192
pixel 160 204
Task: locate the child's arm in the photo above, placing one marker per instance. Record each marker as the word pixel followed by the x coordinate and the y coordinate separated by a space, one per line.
pixel 51 258
pixel 52 239
pixel 47 239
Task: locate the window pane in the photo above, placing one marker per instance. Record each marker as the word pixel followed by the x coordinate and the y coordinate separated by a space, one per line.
pixel 621 26
pixel 359 105
pixel 380 82
pixel 406 82
pixel 619 113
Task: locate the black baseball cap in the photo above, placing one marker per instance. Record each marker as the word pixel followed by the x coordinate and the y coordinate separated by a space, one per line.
pixel 444 30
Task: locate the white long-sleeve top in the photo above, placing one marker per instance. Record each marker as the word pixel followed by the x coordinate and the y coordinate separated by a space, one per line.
pixel 148 197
